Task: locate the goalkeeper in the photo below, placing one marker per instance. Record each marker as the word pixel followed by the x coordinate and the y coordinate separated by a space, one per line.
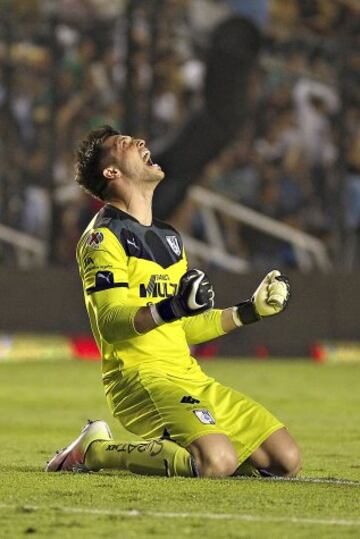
pixel 145 308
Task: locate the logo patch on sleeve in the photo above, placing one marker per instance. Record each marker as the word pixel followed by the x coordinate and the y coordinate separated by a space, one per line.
pixel 205 417
pixel 95 239
pixel 88 261
pixel 104 279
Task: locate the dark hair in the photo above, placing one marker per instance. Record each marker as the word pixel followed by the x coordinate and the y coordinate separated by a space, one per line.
pixel 88 170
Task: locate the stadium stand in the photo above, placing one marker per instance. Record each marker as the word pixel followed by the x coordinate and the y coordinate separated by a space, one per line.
pixel 295 158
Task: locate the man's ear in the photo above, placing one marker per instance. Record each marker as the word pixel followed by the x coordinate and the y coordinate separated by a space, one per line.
pixel 111 173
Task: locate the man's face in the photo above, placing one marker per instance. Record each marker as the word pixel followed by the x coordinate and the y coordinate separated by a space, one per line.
pixel 132 158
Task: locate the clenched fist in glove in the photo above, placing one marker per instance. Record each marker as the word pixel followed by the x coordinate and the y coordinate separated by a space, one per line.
pixel 195 296
pixel 271 297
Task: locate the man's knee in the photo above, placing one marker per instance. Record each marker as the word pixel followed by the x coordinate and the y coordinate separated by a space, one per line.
pixel 290 461
pixel 218 464
pixel 287 462
pixel 278 455
pixel 214 456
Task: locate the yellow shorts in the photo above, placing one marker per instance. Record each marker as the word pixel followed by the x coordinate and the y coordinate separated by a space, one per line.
pixel 152 404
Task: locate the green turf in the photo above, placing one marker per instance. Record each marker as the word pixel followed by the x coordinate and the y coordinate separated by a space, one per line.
pixel 43 405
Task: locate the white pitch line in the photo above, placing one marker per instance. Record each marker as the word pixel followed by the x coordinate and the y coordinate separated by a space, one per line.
pixel 315 480
pixel 201 516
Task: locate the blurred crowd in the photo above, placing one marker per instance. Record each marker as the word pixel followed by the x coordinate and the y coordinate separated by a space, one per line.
pixel 63 68
pixel 299 161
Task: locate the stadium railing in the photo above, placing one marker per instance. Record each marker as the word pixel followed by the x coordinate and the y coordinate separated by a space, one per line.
pixel 310 252
pixel 29 251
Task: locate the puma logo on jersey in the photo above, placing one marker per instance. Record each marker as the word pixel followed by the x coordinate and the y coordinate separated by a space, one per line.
pixel 158 287
pixel 107 276
pixel 131 242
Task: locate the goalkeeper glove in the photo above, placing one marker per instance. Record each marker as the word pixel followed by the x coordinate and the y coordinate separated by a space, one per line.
pixel 270 298
pixel 195 296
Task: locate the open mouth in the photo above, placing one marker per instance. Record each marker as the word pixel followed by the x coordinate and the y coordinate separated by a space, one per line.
pixel 147 159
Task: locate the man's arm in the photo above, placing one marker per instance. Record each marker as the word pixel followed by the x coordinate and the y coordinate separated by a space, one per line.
pixel 195 296
pixel 103 269
pixel 143 321
pixel 227 320
pixel 270 298
pixel 203 327
pixel 104 273
pixel 117 319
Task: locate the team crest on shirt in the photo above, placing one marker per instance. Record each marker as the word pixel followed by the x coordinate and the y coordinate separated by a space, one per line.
pixel 95 239
pixel 174 244
pixel 205 417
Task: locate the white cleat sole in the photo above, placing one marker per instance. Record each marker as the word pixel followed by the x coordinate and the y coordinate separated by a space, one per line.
pixel 94 431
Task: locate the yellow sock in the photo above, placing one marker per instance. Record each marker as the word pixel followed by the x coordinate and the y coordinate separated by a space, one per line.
pixel 150 457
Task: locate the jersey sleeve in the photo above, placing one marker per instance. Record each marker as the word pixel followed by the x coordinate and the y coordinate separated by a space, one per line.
pixel 103 267
pixel 203 327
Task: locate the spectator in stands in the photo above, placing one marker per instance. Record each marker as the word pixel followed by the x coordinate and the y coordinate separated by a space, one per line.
pixel 316 103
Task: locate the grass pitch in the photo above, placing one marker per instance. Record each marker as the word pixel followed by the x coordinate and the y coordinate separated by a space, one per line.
pixel 44 405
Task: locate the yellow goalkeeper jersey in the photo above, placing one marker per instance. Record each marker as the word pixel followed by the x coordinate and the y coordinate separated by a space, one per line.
pixel 125 265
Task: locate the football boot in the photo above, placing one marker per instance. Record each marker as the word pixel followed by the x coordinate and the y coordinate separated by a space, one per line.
pixel 72 457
